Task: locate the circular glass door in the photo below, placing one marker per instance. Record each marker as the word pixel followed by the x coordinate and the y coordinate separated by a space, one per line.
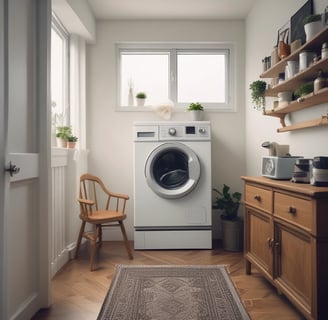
pixel 172 170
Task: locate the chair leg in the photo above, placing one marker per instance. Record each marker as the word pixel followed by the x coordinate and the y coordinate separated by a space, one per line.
pixel 79 239
pixel 126 240
pixel 100 236
pixel 93 245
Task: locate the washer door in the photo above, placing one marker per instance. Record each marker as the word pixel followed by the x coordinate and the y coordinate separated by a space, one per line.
pixel 172 170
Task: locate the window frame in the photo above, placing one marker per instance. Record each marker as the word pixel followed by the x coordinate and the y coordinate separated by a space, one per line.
pixel 61 31
pixel 227 48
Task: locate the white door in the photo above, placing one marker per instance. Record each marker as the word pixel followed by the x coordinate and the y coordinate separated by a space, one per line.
pixel 24 276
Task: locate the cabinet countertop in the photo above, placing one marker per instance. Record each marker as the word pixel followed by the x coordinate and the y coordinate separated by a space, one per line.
pixel 301 188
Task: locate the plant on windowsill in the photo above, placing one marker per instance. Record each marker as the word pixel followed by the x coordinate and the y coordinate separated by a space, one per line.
pixel 62 132
pixel 232 226
pixel 258 94
pixel 141 98
pixel 196 111
pixel 71 141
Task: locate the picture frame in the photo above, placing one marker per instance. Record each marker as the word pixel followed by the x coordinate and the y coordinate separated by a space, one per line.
pixel 296 22
pixel 284 33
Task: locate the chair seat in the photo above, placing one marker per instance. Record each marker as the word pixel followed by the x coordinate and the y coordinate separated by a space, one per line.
pixel 103 216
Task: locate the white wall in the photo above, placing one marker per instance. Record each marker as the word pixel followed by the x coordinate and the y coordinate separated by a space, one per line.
pixel 110 132
pixel 261 35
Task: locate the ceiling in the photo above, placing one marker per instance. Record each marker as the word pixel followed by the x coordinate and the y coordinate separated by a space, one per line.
pixel 171 9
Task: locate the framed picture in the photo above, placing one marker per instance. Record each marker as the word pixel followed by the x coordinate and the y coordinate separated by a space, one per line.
pixel 283 33
pixel 296 22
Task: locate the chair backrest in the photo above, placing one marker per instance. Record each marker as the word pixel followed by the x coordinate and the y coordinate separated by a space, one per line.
pixel 97 197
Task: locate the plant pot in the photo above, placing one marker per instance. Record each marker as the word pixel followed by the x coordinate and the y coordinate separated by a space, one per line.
pixel 61 143
pixel 196 115
pixel 312 28
pixel 71 144
pixel 140 102
pixel 232 234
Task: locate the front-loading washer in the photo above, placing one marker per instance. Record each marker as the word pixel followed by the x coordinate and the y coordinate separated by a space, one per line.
pixel 172 185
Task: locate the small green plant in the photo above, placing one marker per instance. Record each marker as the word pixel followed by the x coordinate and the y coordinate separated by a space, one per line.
pixel 258 94
pixel 141 95
pixel 227 202
pixel 63 132
pixel 71 138
pixel 304 89
pixel 195 106
pixel 311 18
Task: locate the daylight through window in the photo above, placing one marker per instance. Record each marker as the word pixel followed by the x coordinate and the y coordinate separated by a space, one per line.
pixel 194 73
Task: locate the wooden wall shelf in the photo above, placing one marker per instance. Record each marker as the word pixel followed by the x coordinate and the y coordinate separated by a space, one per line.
pixel 313 45
pixel 309 74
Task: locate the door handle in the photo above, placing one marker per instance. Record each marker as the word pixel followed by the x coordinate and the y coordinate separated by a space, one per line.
pixel 12 169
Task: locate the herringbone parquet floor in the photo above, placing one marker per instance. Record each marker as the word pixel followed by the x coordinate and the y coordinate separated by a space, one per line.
pixel 78 293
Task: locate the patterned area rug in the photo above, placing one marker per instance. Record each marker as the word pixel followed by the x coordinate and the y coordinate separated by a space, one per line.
pixel 172 293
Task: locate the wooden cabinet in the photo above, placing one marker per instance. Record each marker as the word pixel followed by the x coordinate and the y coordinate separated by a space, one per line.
pixel 286 239
pixel 309 74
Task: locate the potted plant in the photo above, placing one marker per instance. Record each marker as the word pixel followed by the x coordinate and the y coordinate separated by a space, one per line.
pixel 258 94
pixel 312 25
pixel 232 226
pixel 71 141
pixel 303 90
pixel 141 98
pixel 62 132
pixel 196 111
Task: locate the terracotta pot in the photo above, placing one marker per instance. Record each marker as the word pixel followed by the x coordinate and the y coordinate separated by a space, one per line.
pixel 71 144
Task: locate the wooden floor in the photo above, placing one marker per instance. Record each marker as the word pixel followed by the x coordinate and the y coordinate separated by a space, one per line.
pixel 78 293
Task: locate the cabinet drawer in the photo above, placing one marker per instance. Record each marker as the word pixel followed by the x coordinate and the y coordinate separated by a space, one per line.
pixel 259 197
pixel 295 210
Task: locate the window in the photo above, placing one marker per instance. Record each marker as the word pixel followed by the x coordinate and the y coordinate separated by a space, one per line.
pixel 190 73
pixel 59 74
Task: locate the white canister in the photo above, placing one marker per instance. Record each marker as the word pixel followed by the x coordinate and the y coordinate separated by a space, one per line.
pixel 292 67
pixel 285 96
pixel 306 57
pixel 324 50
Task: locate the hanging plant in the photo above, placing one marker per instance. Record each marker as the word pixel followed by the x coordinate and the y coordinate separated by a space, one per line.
pixel 258 94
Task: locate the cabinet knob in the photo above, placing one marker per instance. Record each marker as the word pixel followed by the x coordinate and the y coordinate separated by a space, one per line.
pixel 291 210
pixel 257 197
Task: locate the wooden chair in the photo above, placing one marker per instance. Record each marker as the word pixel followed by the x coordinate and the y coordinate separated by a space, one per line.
pixel 101 208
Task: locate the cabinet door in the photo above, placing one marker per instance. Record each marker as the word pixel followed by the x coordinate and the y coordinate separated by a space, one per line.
pixel 258 241
pixel 293 264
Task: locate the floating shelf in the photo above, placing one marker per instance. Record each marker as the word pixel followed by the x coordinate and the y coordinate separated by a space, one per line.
pixel 309 74
pixel 323 121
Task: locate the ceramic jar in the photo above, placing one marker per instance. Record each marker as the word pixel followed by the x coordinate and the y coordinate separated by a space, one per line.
pixel 306 57
pixel 283 49
pixel 320 82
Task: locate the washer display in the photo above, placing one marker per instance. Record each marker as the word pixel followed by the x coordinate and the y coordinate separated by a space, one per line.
pixel 172 185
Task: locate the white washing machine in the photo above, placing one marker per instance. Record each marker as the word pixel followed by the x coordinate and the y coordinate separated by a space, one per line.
pixel 172 185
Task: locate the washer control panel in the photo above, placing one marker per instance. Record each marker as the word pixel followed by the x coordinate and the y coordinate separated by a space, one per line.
pixel 185 131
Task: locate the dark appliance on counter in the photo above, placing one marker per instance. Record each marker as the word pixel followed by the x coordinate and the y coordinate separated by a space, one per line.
pixel 302 171
pixel 319 171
